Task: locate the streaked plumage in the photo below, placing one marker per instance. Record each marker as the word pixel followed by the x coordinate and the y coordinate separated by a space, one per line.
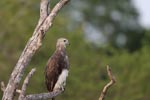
pixel 57 67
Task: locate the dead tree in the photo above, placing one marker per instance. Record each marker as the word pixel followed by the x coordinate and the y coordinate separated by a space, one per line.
pixel 45 22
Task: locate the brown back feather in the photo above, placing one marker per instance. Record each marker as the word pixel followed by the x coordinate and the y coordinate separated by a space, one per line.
pixel 54 67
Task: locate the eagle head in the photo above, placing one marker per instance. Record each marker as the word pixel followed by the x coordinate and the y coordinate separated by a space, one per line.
pixel 62 42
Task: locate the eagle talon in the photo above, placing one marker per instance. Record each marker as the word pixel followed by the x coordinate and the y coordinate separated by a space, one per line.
pixel 62 89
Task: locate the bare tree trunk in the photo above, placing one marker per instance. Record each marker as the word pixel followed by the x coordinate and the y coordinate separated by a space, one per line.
pixel 34 43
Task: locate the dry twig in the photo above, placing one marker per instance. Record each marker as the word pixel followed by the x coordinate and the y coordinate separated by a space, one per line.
pixel 106 87
pixel 25 83
pixel 3 86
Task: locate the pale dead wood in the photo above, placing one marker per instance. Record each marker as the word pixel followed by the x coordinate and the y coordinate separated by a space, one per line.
pixel 108 85
pixel 44 9
pixel 32 46
pixel 44 12
pixel 3 88
pixel 18 91
pixel 25 83
pixel 43 96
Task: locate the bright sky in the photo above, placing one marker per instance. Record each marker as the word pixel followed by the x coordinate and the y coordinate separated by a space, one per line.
pixel 143 6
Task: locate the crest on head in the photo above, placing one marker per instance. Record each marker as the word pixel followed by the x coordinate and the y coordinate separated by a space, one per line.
pixel 62 42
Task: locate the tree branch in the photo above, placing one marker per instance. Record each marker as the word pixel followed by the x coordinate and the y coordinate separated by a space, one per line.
pixel 25 83
pixel 3 86
pixel 32 46
pixel 44 12
pixel 40 96
pixel 44 6
pixel 43 96
pixel 108 85
pixel 48 21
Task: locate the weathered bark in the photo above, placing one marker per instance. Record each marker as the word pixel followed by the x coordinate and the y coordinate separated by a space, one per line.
pixel 25 83
pixel 106 87
pixel 42 96
pixel 34 43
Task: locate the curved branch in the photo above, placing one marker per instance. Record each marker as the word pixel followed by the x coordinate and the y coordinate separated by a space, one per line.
pixel 48 21
pixel 108 85
pixel 25 83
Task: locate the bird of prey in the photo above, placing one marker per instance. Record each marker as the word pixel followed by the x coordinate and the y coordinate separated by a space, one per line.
pixel 57 67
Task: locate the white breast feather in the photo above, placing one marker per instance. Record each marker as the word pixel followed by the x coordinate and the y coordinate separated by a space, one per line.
pixel 61 82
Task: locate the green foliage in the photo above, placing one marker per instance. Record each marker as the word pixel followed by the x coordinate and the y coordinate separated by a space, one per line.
pixel 88 62
pixel 116 20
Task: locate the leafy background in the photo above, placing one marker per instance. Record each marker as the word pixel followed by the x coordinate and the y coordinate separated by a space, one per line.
pixel 100 33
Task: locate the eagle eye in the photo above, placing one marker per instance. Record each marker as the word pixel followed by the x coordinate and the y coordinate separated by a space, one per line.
pixel 64 40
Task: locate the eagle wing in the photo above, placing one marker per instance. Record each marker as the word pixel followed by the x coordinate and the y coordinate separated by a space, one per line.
pixel 54 68
pixel 51 74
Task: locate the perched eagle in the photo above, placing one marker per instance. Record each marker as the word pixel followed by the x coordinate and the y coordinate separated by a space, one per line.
pixel 57 67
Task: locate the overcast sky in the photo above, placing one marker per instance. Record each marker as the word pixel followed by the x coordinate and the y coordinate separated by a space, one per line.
pixel 143 7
